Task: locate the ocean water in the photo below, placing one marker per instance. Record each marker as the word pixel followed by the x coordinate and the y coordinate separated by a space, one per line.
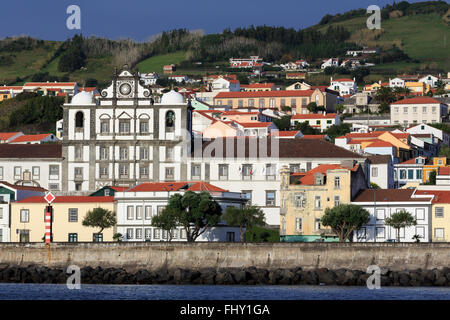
pixel 14 291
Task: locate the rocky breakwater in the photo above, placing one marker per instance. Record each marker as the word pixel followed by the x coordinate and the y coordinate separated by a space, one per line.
pixel 226 276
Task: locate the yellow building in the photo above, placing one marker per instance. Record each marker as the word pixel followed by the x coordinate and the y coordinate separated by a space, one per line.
pixel 4 95
pixel 296 99
pixel 306 195
pixel 418 87
pixel 27 219
pixel 436 163
pixel 440 214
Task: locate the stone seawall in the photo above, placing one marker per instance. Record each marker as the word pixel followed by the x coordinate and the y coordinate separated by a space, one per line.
pixel 408 264
pixel 155 256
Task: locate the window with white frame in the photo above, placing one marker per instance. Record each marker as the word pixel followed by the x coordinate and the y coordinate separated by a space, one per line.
pixel 24 215
pixel 123 170
pixel 381 233
pixel 170 173
pixel 299 199
pixel 270 198
pixel 103 171
pixel 1 173
pixel 420 213
pixel 139 233
pixel 374 172
pixel 104 126
pixel 124 126
pixel 103 153
pixel 337 182
pixel 148 212
pixel 169 153
pixel 143 126
pixel 337 200
pixel 138 212
pixel 143 153
pixel 73 215
pixel 78 172
pixel 1 213
pixel 270 172
pixel 53 171
pixel 17 172
pixel 129 233
pixel 130 212
pixel 298 224
pixel 148 233
pixel 420 231
pixel 223 171
pixel 317 224
pixel 317 202
pixel 439 233
pixel 196 171
pixel 156 233
pixel 381 214
pixel 123 153
pixel 174 233
pixel 36 172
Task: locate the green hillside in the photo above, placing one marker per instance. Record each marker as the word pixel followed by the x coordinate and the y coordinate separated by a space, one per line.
pixel 156 63
pixel 424 37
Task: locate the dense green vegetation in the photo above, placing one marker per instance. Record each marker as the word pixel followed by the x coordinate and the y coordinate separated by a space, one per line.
pixel 30 110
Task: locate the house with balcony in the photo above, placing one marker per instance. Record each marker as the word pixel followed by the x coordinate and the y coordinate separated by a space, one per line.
pixel 306 195
pixel 409 172
pixel 321 121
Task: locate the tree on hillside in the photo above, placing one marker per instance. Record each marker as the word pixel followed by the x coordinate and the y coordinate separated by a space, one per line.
pixel 400 219
pixel 99 218
pixel 305 128
pixel 73 58
pixel 339 108
pixel 336 131
pixel 284 123
pixel 385 95
pixel 312 107
pixel 194 211
pixel 445 151
pixel 244 218
pixel 432 178
pixel 344 219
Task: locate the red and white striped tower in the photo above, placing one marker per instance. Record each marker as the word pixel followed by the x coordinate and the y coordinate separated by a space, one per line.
pixel 49 197
pixel 48 224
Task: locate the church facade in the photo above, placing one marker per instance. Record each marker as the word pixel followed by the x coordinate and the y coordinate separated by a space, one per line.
pixel 124 138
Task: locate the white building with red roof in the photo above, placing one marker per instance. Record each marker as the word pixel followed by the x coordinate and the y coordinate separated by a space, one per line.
pixel 45 88
pixel 417 110
pixel 7 137
pixel 137 205
pixel 344 86
pixel 35 138
pixel 321 121
pixel 225 85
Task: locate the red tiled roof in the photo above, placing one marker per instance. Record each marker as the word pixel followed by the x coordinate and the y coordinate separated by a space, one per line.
pixel 11 87
pixel 66 199
pixel 119 189
pixel 254 124
pixel 50 84
pixel 388 195
pixel 379 144
pixel 313 136
pixel 418 100
pixel 258 85
pixel 264 94
pixel 315 116
pixel 31 137
pixel 440 196
pixel 7 135
pixel 236 113
pixel 308 177
pixel 176 186
pixel 444 171
pixel 284 133
pixel 359 141
pixel 342 80
pixel 412 161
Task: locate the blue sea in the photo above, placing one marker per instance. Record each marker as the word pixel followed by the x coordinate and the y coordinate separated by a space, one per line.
pixel 14 291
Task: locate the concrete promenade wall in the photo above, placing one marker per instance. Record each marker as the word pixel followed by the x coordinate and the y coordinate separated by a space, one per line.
pixel 153 256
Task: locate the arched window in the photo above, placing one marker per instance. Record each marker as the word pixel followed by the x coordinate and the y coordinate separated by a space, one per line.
pixel 170 121
pixel 79 120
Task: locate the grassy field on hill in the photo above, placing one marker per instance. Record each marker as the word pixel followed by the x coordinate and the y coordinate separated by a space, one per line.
pixel 424 37
pixel 156 63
